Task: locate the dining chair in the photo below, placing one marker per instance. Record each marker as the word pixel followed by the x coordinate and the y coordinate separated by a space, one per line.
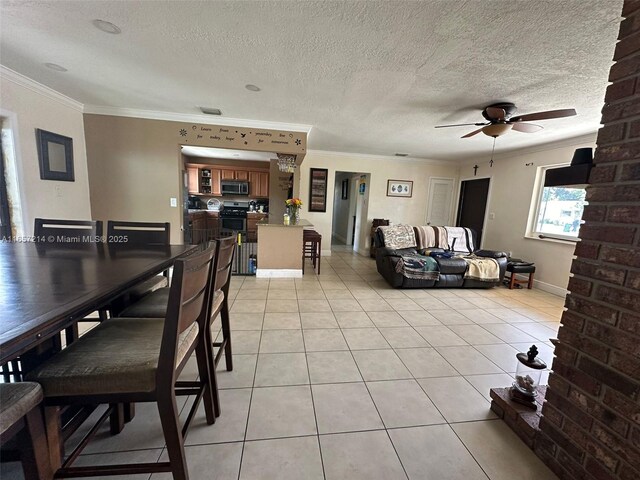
pixel 140 234
pixel 123 360
pixel 47 230
pixel 21 419
pixel 154 305
pixel 70 233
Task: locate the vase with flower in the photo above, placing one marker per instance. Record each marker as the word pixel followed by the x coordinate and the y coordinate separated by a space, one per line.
pixel 293 205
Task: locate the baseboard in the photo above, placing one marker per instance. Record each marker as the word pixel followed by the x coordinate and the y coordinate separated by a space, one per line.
pixel 325 253
pixel 545 287
pixel 278 273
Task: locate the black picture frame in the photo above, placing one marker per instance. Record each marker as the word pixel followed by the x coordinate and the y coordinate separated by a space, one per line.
pixel 318 189
pixel 345 189
pixel 55 156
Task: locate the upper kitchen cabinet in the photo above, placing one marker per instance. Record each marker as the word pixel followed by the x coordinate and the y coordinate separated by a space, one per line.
pixel 228 174
pixel 216 176
pixel 259 184
pixel 193 180
pixel 242 175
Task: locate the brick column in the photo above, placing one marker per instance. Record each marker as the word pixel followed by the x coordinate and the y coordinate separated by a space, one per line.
pixel 591 420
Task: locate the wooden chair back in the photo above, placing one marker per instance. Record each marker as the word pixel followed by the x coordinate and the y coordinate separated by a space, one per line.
pixel 187 305
pixel 224 260
pixel 48 230
pixel 138 233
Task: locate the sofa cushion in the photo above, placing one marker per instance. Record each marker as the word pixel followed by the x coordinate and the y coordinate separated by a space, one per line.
pixel 454 265
pixel 398 236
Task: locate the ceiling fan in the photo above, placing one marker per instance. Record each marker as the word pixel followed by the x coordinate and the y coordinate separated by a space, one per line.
pixel 501 120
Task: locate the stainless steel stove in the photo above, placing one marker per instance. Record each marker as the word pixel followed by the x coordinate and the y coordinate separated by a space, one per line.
pixel 233 216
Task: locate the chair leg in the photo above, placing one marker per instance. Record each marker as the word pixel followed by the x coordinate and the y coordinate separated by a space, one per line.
pixel 226 335
pixel 170 421
pixel 129 412
pixel 319 253
pixel 512 281
pixel 530 284
pixel 211 360
pixel 210 385
pixel 35 451
pixel 54 436
pixel 116 419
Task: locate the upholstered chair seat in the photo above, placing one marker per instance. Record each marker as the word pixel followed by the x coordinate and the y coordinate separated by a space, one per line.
pixel 154 305
pixel 16 400
pixel 118 356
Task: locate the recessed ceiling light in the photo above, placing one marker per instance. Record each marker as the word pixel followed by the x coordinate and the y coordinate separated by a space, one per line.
pixel 251 87
pixel 236 154
pixel 401 154
pixel 56 67
pixel 211 111
pixel 106 27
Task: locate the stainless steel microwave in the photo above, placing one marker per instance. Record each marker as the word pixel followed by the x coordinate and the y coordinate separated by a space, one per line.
pixel 234 187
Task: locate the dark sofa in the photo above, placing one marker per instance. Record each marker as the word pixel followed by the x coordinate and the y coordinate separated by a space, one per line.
pixel 451 270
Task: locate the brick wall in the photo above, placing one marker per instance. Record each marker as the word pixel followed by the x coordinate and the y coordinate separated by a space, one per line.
pixel 591 420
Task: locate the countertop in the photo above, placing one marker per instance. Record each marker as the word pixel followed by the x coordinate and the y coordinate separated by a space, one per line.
pixel 277 222
pixel 198 210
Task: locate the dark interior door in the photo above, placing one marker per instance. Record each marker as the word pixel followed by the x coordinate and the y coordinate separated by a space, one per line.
pixel 473 205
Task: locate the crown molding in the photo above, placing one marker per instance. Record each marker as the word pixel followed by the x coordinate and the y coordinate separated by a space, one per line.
pixel 581 140
pixel 368 156
pixel 39 88
pixel 194 118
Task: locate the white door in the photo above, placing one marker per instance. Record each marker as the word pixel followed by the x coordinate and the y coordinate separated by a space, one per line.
pixel 439 205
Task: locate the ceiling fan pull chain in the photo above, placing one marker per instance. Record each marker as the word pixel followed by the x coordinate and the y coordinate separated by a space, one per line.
pixel 492 150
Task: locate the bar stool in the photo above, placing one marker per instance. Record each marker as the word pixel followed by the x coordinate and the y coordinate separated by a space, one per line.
pixel 312 248
pixel 21 417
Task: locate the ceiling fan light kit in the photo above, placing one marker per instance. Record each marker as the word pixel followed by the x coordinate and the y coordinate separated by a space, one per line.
pixel 496 129
pixel 501 120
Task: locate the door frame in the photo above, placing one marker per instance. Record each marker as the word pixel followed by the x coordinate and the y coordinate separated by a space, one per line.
pixel 454 196
pixel 486 212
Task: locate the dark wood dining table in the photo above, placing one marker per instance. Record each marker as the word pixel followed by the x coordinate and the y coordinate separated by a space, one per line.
pixel 45 288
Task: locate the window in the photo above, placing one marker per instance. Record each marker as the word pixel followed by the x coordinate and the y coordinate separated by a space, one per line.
pixel 558 210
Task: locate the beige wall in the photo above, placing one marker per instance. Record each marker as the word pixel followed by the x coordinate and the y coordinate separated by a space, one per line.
pixel 399 210
pixel 134 169
pixel 25 109
pixel 511 191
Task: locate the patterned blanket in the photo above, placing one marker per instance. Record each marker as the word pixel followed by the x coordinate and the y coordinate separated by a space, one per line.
pixel 429 237
pixel 418 267
pixel 482 269
pixel 398 236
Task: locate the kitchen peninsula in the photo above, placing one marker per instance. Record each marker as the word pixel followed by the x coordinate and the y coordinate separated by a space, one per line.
pixel 280 248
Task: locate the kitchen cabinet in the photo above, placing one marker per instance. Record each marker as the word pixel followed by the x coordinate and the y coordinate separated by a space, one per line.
pixel 198 223
pixel 252 228
pixel 206 179
pixel 259 184
pixel 213 225
pixel 193 180
pixel 263 189
pixel 216 176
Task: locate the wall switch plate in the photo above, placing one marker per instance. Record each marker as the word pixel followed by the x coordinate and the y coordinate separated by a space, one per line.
pixel 173 202
pixel 492 216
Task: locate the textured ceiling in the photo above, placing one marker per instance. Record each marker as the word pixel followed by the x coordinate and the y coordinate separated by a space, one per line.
pixel 369 76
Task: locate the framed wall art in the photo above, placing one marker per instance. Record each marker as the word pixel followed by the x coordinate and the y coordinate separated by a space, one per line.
pixel 55 156
pixel 318 189
pixel 399 188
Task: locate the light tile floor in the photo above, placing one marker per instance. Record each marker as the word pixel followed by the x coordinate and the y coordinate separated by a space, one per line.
pixel 340 377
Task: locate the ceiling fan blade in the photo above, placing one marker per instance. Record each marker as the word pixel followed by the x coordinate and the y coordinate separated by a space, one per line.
pixel 471 134
pixel 496 113
pixel 567 112
pixel 460 125
pixel 526 127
